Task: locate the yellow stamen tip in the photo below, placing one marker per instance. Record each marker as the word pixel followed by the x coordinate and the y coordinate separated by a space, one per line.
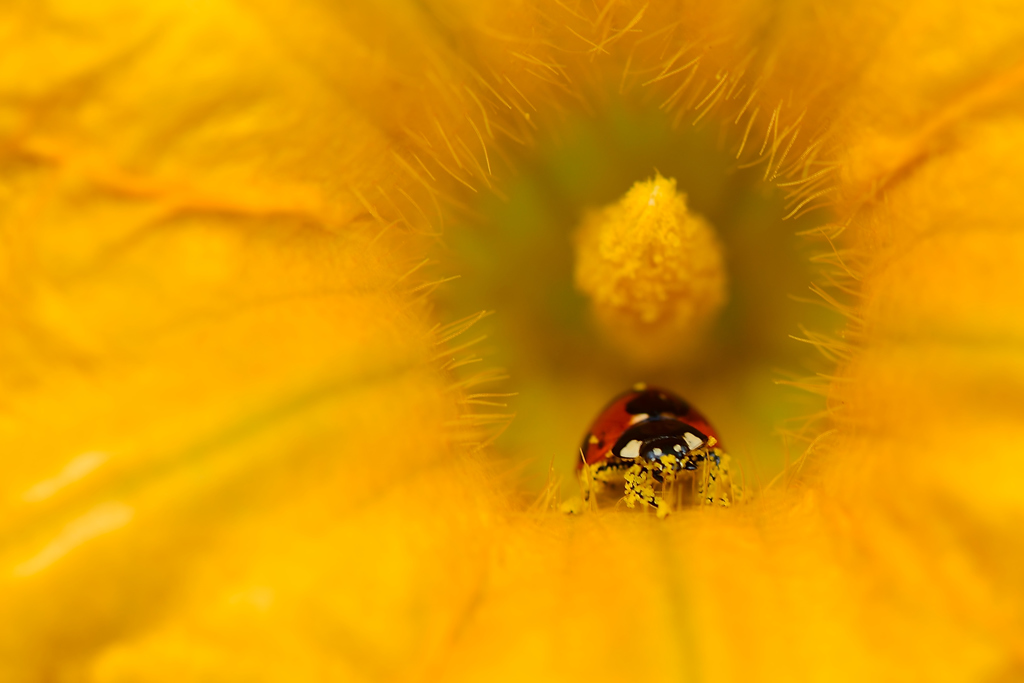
pixel 653 270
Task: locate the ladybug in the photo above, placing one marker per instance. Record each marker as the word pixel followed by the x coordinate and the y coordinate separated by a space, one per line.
pixel 648 439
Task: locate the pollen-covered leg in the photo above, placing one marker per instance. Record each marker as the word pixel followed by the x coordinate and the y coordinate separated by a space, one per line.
pixel 714 483
pixel 597 480
pixel 587 497
pixel 639 486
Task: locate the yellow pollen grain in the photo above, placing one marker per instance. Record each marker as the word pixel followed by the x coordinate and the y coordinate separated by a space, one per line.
pixel 653 271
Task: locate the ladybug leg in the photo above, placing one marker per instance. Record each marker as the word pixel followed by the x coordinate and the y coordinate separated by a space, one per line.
pixel 731 491
pixel 594 478
pixel 670 467
pixel 586 482
pixel 705 479
pixel 639 486
pixel 715 484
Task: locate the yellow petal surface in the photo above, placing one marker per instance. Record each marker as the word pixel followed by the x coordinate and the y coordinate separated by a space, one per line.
pixel 234 443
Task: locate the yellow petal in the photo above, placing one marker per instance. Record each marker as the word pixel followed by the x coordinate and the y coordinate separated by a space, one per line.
pixel 232 445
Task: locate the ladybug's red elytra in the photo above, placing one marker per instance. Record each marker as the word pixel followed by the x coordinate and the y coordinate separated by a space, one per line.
pixel 648 440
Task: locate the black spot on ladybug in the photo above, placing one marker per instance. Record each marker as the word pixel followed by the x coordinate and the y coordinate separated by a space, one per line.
pixel 654 402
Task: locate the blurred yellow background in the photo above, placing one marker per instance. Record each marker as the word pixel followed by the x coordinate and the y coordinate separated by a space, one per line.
pixel 244 434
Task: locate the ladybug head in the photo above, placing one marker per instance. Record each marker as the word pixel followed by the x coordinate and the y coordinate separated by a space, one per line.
pixel 655 439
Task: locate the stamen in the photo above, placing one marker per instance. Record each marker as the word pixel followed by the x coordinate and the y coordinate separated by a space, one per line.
pixel 653 270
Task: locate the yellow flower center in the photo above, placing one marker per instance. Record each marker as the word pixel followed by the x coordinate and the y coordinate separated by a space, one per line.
pixel 545 256
pixel 653 270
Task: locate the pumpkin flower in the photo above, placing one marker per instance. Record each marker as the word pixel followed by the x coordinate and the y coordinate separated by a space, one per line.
pixel 252 427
